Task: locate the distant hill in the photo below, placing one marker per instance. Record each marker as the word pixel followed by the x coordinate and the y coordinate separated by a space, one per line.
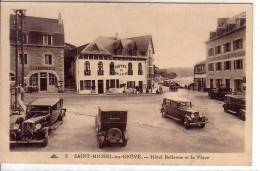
pixel 181 72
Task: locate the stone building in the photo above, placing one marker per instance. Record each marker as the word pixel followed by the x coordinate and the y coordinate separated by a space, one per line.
pixel 200 76
pixel 113 65
pixel 226 55
pixel 43 52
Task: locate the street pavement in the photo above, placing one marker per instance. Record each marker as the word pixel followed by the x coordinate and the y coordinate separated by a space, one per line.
pixel 147 130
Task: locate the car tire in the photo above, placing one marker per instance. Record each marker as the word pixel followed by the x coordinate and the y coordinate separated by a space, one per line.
pixel 45 139
pixel 100 144
pixel 163 113
pixel 203 125
pixel 124 143
pixel 186 123
pixel 242 117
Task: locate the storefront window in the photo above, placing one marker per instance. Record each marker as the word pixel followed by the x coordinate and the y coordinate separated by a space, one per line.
pixel 34 80
pixel 52 79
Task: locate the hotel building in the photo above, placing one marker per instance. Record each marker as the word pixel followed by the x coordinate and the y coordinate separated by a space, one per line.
pixel 113 65
pixel 225 62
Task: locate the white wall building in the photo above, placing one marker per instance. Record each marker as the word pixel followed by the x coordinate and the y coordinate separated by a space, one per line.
pixel 112 65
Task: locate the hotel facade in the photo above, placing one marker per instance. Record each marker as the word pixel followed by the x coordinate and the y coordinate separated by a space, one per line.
pixel 226 55
pixel 113 65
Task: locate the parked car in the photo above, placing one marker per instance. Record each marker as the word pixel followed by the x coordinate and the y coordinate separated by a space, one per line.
pixel 219 93
pixel 235 104
pixel 111 127
pixel 39 118
pixel 173 88
pixel 181 110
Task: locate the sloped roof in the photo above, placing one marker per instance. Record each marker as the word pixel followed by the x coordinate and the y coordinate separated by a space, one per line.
pixel 45 25
pixel 142 42
pixel 94 48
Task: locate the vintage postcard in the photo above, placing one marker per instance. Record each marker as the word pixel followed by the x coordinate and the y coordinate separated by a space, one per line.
pixel 126 83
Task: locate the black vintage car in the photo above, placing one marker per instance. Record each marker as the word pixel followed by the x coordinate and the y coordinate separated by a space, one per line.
pixel 34 126
pixel 111 127
pixel 219 93
pixel 181 110
pixel 173 87
pixel 235 104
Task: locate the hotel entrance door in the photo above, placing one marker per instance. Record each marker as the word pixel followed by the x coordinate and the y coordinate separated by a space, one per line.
pixel 43 84
pixel 100 87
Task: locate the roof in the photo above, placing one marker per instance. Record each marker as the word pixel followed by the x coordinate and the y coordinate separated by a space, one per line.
pixel 44 102
pixel 108 45
pixel 179 99
pixel 201 62
pixel 38 24
pixel 112 108
pixel 236 96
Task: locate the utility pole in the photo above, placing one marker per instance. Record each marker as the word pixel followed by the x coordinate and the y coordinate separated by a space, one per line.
pixel 19 36
pixel 16 57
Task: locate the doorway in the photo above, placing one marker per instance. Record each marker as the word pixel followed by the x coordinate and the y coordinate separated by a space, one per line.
pixel 100 87
pixel 43 84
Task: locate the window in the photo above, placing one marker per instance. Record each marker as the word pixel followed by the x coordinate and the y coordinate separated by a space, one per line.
pixel 100 68
pixel 211 67
pixel 238 44
pixel 211 83
pixel 47 39
pixel 117 83
pixel 238 85
pixel 52 79
pixel 25 38
pixel 130 68
pixel 11 77
pixel 218 66
pixel 130 84
pixel 112 84
pixel 218 50
pixel 112 68
pixel 238 64
pixel 81 84
pixel 140 69
pixel 24 58
pixel 48 59
pixel 87 84
pixel 227 83
pixel 227 47
pixel 227 65
pixel 218 82
pixel 211 52
pixel 34 80
pixel 87 68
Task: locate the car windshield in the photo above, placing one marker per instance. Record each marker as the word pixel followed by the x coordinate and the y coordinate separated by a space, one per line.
pixel 38 109
pixel 184 104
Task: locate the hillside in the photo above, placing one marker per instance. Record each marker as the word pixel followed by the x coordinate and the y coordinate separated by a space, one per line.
pixel 181 72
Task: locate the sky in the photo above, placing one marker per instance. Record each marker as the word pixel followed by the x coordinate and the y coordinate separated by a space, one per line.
pixel 179 31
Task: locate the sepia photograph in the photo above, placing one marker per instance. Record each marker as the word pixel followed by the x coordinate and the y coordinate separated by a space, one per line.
pixel 157 83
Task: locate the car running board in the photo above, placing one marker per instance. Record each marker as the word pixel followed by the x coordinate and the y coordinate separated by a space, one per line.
pixel 177 119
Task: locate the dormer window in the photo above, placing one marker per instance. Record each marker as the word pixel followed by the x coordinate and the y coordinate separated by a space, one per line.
pixel 47 40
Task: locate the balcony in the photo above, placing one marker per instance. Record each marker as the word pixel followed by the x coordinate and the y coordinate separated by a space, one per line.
pixel 130 72
pixel 112 72
pixel 100 72
pixel 87 72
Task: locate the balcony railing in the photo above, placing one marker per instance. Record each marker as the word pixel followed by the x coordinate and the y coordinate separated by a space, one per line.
pixel 100 72
pixel 112 72
pixel 87 72
pixel 130 72
pixel 140 72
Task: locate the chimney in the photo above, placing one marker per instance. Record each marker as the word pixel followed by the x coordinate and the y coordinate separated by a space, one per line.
pixel 60 18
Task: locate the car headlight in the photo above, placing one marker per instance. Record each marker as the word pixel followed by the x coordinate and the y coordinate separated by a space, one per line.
pixel 38 126
pixel 192 115
pixel 200 115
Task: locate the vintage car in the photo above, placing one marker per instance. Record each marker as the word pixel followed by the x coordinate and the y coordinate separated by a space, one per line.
pixel 181 110
pixel 173 87
pixel 235 104
pixel 219 93
pixel 111 127
pixel 40 116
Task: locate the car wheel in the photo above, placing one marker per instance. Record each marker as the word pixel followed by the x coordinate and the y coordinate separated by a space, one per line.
pixel 100 144
pixel 186 123
pixel 60 117
pixel 124 143
pixel 203 125
pixel 45 139
pixel 242 117
pixel 163 113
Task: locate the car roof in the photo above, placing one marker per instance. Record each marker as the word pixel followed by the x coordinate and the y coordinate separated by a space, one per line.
pixel 177 99
pixel 45 102
pixel 112 108
pixel 236 96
